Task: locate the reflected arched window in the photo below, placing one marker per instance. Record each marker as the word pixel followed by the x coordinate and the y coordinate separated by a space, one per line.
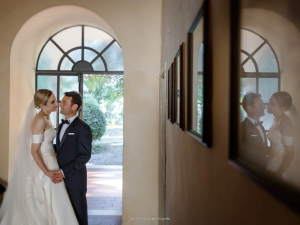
pixel 71 55
pixel 260 70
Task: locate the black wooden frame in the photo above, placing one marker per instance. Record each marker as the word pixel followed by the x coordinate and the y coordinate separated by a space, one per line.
pixel 286 193
pixel 171 94
pixel 206 138
pixel 180 53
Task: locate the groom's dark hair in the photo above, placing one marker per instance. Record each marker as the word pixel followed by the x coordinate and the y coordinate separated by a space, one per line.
pixel 248 99
pixel 76 98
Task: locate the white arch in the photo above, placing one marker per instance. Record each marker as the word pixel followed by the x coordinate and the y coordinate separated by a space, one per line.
pixel 25 50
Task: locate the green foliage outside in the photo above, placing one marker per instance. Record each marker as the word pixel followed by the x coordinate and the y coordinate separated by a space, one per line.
pixel 200 105
pixel 93 116
pixel 108 91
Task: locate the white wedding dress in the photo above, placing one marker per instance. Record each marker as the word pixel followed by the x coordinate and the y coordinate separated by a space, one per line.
pixel 32 199
pixel 292 173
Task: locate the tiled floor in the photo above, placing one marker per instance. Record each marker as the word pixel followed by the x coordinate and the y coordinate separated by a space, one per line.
pixel 104 195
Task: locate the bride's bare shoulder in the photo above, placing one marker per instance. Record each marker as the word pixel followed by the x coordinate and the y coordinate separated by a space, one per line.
pixel 39 124
pixel 286 126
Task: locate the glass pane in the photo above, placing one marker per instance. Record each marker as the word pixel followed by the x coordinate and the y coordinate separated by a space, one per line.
pixel 98 65
pixel 267 86
pixel 268 120
pixel 76 55
pixel 243 114
pixel 69 38
pixel 89 55
pixel 114 58
pixel 178 89
pixel 197 85
pixel 47 82
pixel 200 58
pixel 266 60
pixel 200 105
pixel 49 57
pixel 250 41
pixel 50 83
pixel 96 39
pixel 249 66
pixel 247 85
pixel 68 83
pixel 243 57
pixel 66 64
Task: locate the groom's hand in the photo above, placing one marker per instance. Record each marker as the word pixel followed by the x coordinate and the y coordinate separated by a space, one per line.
pixel 58 177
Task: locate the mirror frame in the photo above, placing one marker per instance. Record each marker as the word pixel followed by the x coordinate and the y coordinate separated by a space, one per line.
pixel 206 137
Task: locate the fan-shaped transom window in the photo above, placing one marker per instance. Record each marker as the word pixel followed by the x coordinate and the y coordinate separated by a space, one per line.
pixel 260 70
pixel 81 49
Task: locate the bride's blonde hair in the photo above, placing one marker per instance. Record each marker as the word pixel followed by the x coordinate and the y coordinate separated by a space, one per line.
pixel 41 97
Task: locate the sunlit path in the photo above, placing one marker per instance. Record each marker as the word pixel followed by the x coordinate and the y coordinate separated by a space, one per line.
pixel 104 194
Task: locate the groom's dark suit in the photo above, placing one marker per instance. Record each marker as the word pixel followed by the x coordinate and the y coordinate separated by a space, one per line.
pixel 73 152
pixel 254 148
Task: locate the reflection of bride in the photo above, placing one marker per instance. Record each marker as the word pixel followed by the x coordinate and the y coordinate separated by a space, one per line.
pixel 283 159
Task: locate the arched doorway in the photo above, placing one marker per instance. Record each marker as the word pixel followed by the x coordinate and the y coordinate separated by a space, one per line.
pixel 88 60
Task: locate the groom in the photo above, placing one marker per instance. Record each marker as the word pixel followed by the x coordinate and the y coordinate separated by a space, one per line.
pixel 73 150
pixel 253 133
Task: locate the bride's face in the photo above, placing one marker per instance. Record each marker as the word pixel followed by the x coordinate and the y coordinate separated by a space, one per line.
pixel 273 106
pixel 51 105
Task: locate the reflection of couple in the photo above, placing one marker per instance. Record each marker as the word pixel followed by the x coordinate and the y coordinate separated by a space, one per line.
pixel 278 158
pixel 48 182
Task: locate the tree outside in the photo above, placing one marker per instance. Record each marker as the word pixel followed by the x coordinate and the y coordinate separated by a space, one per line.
pixel 105 92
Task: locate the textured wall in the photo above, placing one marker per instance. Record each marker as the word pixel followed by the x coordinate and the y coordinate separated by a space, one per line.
pixel 202 188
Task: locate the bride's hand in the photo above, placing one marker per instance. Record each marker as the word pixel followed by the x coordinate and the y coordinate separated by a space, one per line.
pixel 51 174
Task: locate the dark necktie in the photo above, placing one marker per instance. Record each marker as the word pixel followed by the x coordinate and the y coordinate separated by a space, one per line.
pixel 259 123
pixel 65 121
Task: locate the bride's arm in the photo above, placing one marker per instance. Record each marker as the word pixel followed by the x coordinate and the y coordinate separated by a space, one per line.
pixel 38 127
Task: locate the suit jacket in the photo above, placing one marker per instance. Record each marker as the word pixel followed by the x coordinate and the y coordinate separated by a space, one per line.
pixel 253 148
pixel 73 152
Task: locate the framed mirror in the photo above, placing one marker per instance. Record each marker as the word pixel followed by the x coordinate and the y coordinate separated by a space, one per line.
pixel 265 100
pixel 200 77
pixel 179 99
pixel 171 85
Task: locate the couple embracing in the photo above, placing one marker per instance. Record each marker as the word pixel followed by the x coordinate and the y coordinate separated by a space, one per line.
pixel 279 156
pixel 49 182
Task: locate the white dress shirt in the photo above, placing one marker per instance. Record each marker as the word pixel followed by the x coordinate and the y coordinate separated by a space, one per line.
pixel 63 130
pixel 65 126
pixel 259 128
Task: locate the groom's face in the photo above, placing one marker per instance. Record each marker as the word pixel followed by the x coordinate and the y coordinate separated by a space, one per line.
pixel 258 107
pixel 66 105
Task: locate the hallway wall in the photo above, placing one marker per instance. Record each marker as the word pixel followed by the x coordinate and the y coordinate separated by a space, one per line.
pixel 137 25
pixel 201 187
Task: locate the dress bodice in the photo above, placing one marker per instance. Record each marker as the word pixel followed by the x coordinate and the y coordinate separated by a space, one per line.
pixel 274 137
pixel 47 144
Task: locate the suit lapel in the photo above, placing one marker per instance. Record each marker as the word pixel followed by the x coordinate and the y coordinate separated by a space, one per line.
pixel 67 131
pixel 265 135
pixel 57 137
pixel 255 130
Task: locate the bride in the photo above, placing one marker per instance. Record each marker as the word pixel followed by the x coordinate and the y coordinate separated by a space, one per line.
pixel 281 135
pixel 32 198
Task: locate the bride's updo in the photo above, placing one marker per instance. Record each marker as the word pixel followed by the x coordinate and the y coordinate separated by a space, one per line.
pixel 41 97
pixel 284 100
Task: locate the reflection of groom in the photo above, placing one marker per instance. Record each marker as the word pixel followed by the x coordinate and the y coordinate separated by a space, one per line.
pixel 253 134
pixel 73 150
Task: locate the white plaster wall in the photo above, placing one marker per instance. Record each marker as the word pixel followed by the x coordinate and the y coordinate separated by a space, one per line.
pixel 137 26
